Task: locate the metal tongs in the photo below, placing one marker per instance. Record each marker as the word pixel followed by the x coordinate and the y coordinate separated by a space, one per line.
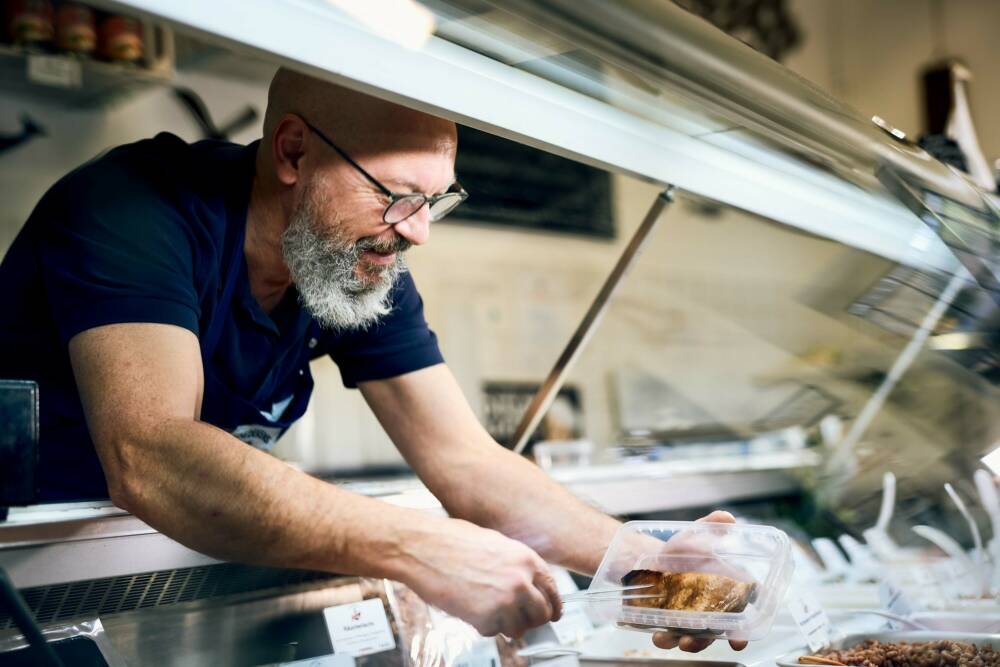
pixel 610 594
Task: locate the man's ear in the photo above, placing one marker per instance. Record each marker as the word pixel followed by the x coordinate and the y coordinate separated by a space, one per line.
pixel 288 146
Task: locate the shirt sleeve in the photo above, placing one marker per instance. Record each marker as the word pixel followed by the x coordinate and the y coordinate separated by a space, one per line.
pixel 400 343
pixel 114 248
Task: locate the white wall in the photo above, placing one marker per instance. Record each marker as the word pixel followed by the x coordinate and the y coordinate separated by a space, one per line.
pixel 870 54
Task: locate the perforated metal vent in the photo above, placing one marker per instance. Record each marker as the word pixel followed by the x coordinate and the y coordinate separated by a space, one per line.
pixel 101 597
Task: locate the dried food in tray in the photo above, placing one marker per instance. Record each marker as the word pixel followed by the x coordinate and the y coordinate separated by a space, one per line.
pixel 902 649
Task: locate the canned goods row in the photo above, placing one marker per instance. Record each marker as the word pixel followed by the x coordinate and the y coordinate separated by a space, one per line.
pixel 73 28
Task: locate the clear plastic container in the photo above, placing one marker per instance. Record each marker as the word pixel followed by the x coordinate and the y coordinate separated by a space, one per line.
pixel 736 567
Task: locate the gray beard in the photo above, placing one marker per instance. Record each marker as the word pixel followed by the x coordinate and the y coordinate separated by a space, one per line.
pixel 323 267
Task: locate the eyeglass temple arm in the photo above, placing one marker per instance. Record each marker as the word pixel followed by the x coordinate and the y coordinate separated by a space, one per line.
pixel 371 179
pixel 329 142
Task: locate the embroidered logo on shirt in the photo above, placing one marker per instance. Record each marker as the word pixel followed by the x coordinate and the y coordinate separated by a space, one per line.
pixel 255 435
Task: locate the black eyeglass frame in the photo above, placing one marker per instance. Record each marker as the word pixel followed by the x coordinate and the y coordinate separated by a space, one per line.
pixel 395 197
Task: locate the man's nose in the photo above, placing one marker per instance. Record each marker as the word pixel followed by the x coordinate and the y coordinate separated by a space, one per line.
pixel 417 228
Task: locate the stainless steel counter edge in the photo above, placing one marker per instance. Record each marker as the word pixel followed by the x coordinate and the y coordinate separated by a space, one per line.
pixel 103 541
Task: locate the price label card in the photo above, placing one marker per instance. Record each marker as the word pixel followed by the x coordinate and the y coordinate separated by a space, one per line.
pixel 482 653
pixel 812 621
pixel 55 71
pixel 894 600
pixel 359 628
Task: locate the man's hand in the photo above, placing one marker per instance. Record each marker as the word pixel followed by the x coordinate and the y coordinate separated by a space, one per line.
pixel 668 639
pixel 496 584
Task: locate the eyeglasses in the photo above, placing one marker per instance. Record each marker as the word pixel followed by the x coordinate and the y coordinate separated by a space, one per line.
pixel 402 205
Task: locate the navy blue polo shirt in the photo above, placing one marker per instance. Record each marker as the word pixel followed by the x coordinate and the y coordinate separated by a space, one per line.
pixel 141 234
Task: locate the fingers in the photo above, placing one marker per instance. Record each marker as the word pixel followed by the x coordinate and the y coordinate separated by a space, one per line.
pixel 517 621
pixel 547 585
pixel 513 628
pixel 693 644
pixel 719 516
pixel 534 608
pixel 666 640
pixel 531 608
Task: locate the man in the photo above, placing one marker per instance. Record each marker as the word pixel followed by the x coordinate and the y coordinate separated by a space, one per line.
pixel 168 298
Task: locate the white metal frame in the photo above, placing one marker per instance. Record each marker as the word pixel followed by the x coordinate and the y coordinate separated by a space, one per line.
pixel 315 37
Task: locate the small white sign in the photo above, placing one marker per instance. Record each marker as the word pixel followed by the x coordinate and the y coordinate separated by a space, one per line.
pixel 483 653
pixel 359 628
pixel 55 71
pixel 812 621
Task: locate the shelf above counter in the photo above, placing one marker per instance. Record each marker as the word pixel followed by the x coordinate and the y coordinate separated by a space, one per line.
pixel 73 82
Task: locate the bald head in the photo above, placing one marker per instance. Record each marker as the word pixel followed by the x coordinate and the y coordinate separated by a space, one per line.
pixel 361 124
pixel 330 165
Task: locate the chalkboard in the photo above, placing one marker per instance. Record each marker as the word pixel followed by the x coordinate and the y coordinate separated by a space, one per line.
pixel 516 185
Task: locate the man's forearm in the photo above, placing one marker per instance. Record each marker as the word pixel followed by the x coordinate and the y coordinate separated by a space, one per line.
pixel 506 492
pixel 211 492
pixel 478 480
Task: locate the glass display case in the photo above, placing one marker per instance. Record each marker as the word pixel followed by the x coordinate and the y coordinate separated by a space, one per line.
pixel 790 303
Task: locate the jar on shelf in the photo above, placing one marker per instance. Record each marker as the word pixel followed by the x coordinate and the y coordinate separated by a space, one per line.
pixel 30 22
pixel 76 29
pixel 120 39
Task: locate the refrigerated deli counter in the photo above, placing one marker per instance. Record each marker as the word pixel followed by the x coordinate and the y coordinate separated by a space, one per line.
pixel 801 313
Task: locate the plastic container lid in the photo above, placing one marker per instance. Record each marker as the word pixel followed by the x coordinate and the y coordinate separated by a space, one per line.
pixel 745 569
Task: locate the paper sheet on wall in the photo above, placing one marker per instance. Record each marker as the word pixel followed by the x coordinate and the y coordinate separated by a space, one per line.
pixel 54 71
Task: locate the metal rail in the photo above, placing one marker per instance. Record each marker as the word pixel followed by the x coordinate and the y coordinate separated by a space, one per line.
pixel 547 392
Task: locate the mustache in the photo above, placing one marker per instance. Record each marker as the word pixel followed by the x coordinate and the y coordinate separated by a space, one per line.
pixel 397 244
